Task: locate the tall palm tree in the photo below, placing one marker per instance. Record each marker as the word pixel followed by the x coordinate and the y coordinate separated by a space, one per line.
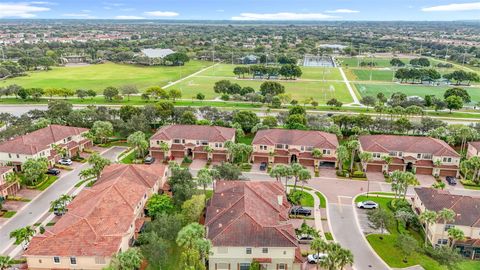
pixel 344 258
pixel 5 262
pixel 278 171
pixel 388 160
pixel 353 147
pixel 342 154
pixel 22 235
pixel 427 217
pixel 304 175
pixel 296 168
pixel 318 245
pixel 365 157
pixel 164 147
pixel 446 215
pixel 204 178
pixel 456 235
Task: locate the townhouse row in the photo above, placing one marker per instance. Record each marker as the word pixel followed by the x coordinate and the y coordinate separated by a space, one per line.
pixel 423 155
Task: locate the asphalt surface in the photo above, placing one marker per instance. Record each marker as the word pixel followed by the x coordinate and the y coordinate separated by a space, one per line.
pixel 41 204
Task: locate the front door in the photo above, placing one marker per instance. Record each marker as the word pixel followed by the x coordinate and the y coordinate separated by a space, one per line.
pixel 293 159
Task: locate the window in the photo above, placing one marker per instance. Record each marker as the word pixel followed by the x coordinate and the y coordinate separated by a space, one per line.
pixel 279 146
pixel 177 141
pixel 244 266
pixel 18 156
pixel 447 159
pixel 442 241
pixel 281 266
pixel 56 260
pixel 449 226
pixel 419 156
pixel 248 250
pixel 400 154
pixel 222 266
pixel 99 260
pixel 218 145
pixel 427 156
pixel 9 155
pixel 263 147
pixel 204 142
pixel 309 148
pixel 264 250
pixel 302 148
pixel 158 142
pixel 326 151
pixel 73 260
pixel 392 154
pixel 376 155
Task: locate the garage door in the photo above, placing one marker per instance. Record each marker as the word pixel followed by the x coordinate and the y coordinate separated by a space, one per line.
pixel 158 155
pixel 374 168
pixel 74 151
pixel 219 157
pixel 203 156
pixel 448 173
pixel 283 160
pixel 307 162
pixel 178 154
pixel 426 171
pixel 395 168
pixel 260 159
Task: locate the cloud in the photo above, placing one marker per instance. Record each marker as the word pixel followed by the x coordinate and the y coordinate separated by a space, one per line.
pixel 282 16
pixel 21 10
pixel 162 13
pixel 79 15
pixel 454 7
pixel 342 10
pixel 128 17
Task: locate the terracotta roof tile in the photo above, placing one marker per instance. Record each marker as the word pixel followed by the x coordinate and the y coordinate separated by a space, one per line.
pixel 411 144
pixel 194 132
pixel 4 169
pixel 475 145
pixel 99 217
pixel 317 139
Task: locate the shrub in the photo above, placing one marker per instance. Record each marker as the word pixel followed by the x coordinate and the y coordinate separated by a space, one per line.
pixel 342 173
pixel 359 174
pixel 186 160
pixel 467 182
pixel 295 197
pixel 246 166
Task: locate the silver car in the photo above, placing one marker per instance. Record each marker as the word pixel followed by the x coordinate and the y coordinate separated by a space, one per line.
pixel 316 258
pixel 367 205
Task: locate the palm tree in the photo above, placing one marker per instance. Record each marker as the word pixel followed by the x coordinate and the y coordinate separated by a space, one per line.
pixel 208 149
pixel 164 147
pixel 278 171
pixel 353 147
pixel 388 160
pixel 296 168
pixel 204 178
pixel 427 217
pixel 5 262
pixel 317 153
pixel 22 235
pixel 456 235
pixel 62 151
pixel 304 175
pixel 318 245
pixel 345 257
pixel 365 157
pixel 342 154
pixel 446 215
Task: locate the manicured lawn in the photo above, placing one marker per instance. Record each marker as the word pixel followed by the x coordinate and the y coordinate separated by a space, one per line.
pixel 247 139
pixel 366 89
pixel 321 73
pixel 320 91
pixel 328 236
pixel 307 199
pixel 469 265
pixel 323 201
pixel 129 158
pixel 51 179
pixel 9 214
pixel 377 75
pixel 381 62
pixel 99 76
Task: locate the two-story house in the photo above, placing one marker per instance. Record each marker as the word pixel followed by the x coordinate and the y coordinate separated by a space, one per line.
pixel 100 222
pixel 192 141
pixel 473 149
pixel 40 143
pixel 422 155
pixel 248 221
pixel 288 146
pixel 467 219
pixel 7 188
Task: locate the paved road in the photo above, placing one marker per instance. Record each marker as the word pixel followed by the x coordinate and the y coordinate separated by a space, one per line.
pixel 40 205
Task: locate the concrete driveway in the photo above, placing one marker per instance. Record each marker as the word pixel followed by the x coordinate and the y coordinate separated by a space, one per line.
pixel 40 205
pixel 426 180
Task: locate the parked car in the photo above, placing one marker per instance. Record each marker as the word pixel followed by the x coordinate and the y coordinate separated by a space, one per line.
pixel 298 210
pixel 316 258
pixel 149 160
pixel 367 205
pixel 65 161
pixel 263 166
pixel 451 180
pixel 304 239
pixel 53 171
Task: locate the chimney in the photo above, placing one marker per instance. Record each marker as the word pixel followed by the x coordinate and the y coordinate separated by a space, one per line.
pixel 280 199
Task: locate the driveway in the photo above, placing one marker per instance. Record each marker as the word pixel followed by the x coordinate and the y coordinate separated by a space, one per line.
pixel 426 180
pixel 40 205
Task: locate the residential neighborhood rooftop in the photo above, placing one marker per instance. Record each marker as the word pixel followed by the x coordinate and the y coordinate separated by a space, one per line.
pixel 194 132
pixel 39 140
pixel 467 208
pixel 100 216
pixel 317 139
pixel 408 144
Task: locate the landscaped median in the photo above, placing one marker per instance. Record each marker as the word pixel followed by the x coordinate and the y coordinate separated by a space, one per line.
pixel 402 244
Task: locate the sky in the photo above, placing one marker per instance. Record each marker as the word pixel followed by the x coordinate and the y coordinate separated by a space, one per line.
pixel 308 10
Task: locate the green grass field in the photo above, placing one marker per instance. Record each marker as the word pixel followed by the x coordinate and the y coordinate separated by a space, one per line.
pixel 381 62
pixel 364 75
pixel 366 89
pixel 99 76
pixel 320 91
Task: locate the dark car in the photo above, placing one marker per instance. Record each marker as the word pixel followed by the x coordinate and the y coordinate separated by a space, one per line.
pixel 298 210
pixel 149 160
pixel 451 180
pixel 263 166
pixel 304 239
pixel 53 171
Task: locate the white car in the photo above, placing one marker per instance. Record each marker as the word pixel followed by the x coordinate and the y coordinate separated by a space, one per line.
pixel 316 258
pixel 65 161
pixel 367 205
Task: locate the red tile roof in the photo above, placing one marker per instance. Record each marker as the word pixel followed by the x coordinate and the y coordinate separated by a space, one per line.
pixel 5 169
pixel 475 145
pixel 194 132
pixel 99 217
pixel 411 144
pixel 467 208
pixel 248 213
pixel 317 139
pixel 39 140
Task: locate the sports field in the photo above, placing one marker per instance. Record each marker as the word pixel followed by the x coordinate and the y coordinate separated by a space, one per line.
pixel 411 90
pixel 385 75
pixel 355 61
pixel 100 76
